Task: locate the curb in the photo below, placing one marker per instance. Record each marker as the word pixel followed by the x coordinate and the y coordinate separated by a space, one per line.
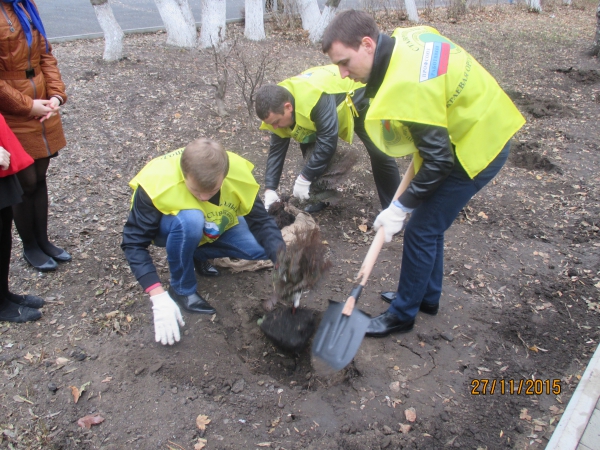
pixel 576 417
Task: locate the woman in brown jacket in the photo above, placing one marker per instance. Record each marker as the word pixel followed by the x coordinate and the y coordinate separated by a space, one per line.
pixel 31 92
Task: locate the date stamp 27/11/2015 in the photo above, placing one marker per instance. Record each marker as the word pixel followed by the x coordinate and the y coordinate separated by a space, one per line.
pixel 501 386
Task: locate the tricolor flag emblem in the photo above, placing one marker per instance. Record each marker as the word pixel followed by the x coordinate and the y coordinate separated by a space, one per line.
pixel 435 60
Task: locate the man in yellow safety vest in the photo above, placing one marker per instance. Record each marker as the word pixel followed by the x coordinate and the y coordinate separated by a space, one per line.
pixel 432 100
pixel 315 108
pixel 199 202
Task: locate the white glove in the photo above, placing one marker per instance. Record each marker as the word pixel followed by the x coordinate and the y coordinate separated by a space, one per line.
pixel 391 219
pixel 301 188
pixel 166 316
pixel 270 198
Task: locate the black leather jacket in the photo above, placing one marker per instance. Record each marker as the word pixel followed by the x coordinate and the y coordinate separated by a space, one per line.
pixel 143 225
pixel 432 142
pixel 324 115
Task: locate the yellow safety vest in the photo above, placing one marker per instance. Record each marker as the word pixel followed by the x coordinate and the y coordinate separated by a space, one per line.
pixel 164 183
pixel 430 80
pixel 307 89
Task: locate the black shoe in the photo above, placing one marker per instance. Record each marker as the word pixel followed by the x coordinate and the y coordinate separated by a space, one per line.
pixel 192 303
pixel 387 323
pixel 206 269
pixel 48 266
pixel 316 207
pixel 31 301
pixel 11 312
pixel 62 257
pixel 426 308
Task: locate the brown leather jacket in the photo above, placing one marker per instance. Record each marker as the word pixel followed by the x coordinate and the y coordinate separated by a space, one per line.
pixel 27 74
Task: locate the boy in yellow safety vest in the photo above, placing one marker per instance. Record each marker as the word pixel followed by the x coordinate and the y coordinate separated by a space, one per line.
pixel 199 202
pixel 432 100
pixel 315 108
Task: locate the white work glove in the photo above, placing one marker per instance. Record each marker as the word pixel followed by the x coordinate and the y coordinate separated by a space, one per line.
pixel 391 219
pixel 301 188
pixel 270 198
pixel 166 316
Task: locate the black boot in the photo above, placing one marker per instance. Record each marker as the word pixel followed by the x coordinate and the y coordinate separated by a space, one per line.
pixel 205 269
pixel 426 308
pixel 11 312
pixel 387 323
pixel 193 303
pixel 32 301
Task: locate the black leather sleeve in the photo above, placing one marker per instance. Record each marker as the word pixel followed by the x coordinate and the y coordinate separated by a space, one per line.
pixel 324 115
pixel 436 150
pixel 275 161
pixel 141 228
pixel 264 229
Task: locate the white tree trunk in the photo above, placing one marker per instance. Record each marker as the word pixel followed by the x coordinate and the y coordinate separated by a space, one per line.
pixel 309 12
pixel 411 10
pixel 316 33
pixel 534 5
pixel 179 22
pixel 113 34
pixel 213 23
pixel 255 28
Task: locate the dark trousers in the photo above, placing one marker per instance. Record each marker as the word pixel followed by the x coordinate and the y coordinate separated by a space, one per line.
pixel 6 218
pixel 422 268
pixel 384 167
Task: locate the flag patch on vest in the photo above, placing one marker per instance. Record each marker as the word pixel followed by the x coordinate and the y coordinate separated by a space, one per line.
pixel 435 60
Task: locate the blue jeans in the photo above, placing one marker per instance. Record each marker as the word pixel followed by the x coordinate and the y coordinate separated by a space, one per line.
pixel 422 268
pixel 181 234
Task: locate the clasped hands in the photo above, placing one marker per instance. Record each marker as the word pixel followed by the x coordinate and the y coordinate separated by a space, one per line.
pixel 44 109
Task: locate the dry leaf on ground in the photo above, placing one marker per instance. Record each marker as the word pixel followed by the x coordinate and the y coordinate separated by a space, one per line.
pixel 200 444
pixel 88 421
pixel 202 421
pixel 410 414
pixel 524 415
pixel 404 428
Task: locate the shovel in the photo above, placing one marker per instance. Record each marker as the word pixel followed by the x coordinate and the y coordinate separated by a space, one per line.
pixel 343 328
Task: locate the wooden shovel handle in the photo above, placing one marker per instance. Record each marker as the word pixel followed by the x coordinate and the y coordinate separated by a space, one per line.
pixel 367 267
pixel 373 253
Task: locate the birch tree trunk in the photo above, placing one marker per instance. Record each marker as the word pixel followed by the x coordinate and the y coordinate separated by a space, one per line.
pixel 596 46
pixel 213 23
pixel 255 23
pixel 411 10
pixel 309 12
pixel 534 5
pixel 326 16
pixel 113 34
pixel 179 22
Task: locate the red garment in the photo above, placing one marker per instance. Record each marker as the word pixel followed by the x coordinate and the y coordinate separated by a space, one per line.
pixel 19 159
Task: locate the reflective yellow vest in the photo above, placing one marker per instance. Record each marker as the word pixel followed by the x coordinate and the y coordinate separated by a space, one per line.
pixel 163 181
pixel 307 89
pixel 432 81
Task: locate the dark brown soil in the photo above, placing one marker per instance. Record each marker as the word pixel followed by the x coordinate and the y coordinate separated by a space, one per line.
pixel 521 294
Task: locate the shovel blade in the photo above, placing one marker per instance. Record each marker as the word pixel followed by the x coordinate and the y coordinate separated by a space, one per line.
pixel 339 336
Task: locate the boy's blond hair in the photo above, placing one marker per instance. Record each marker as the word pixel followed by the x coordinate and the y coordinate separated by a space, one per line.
pixel 205 161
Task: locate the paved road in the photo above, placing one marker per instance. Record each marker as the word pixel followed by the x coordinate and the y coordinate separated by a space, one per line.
pixel 64 18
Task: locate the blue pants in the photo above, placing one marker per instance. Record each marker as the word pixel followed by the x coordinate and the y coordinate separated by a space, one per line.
pixel 181 234
pixel 422 268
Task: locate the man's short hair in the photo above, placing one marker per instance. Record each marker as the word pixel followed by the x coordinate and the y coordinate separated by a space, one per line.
pixel 270 99
pixel 205 161
pixel 349 28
